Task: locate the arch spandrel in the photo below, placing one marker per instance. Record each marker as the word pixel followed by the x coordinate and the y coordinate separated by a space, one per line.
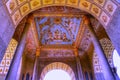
pixel 100 9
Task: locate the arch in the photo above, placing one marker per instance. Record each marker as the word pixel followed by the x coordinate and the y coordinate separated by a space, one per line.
pixel 102 10
pixel 58 65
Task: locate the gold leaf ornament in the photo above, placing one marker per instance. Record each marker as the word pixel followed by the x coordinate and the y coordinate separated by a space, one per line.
pixel 12 5
pixel 35 3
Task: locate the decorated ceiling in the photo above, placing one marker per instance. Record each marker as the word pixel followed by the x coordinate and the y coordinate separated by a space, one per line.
pixel 58 30
pixel 103 10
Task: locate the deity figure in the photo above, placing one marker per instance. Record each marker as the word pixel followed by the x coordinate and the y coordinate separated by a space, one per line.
pixel 57 35
pixel 64 38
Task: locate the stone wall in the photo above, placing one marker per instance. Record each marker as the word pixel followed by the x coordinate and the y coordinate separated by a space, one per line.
pixel 6 30
pixel 113 30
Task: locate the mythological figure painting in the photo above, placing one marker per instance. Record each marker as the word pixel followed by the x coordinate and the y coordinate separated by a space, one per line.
pixel 58 30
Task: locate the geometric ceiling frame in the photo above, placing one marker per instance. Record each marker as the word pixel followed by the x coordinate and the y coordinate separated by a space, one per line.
pixel 57 66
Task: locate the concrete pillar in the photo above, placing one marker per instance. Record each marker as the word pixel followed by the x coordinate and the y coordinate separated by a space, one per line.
pixel 108 75
pixel 35 70
pixel 13 69
pixel 79 68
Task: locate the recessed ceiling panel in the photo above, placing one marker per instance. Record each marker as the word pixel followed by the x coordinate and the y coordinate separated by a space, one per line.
pixel 58 30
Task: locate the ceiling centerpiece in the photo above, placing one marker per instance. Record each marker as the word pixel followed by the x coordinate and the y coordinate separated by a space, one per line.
pixel 58 30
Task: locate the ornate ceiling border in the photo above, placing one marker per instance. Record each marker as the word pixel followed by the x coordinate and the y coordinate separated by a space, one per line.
pixel 103 10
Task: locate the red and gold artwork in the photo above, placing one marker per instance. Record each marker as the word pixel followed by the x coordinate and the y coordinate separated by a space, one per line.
pixel 16 17
pixel 110 7
pixel 46 1
pixel 35 3
pixel 12 5
pixel 100 1
pixel 60 1
pixel 104 18
pixel 24 9
pixel 73 1
pixel 21 0
pixel 95 10
pixel 85 4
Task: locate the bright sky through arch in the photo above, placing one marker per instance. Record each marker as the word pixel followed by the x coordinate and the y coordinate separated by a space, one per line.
pixel 116 61
pixel 57 75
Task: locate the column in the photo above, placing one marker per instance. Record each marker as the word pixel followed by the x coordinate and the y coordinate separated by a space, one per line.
pixel 108 75
pixel 79 68
pixel 13 69
pixel 35 70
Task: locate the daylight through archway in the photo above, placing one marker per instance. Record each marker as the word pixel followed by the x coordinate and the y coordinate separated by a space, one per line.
pixel 57 74
pixel 57 71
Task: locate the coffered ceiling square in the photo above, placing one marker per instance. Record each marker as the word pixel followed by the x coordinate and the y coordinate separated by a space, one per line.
pixel 96 61
pixel 100 2
pixel 47 2
pixel 25 8
pixel 95 10
pixel 97 69
pixel 6 70
pixel 7 56
pixel 16 17
pixel 60 1
pixel 85 4
pixel 11 5
pixel 8 63
pixel 110 7
pixel 21 1
pixel 2 63
pixel 35 3
pixel 72 2
pixel 104 18
pixel 1 70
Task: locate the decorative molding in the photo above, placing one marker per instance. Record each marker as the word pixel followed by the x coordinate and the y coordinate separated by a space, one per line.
pixel 93 7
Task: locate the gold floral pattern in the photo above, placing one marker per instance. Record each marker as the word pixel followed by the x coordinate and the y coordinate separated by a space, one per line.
pixel 35 3
pixel 110 7
pixel 100 1
pixel 95 10
pixel 12 5
pixel 25 8
pixel 85 4
pixel 73 1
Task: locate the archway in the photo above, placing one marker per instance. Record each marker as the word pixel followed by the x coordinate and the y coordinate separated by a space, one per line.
pixel 101 10
pixel 58 66
pixel 57 75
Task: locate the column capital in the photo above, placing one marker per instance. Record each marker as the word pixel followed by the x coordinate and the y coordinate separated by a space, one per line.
pixel 86 20
pixel 76 51
pixel 37 51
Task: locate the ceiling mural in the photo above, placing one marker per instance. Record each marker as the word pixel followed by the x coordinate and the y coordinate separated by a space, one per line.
pixel 95 7
pixel 58 30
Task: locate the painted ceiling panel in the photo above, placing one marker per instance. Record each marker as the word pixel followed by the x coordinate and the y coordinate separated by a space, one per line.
pixel 58 30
